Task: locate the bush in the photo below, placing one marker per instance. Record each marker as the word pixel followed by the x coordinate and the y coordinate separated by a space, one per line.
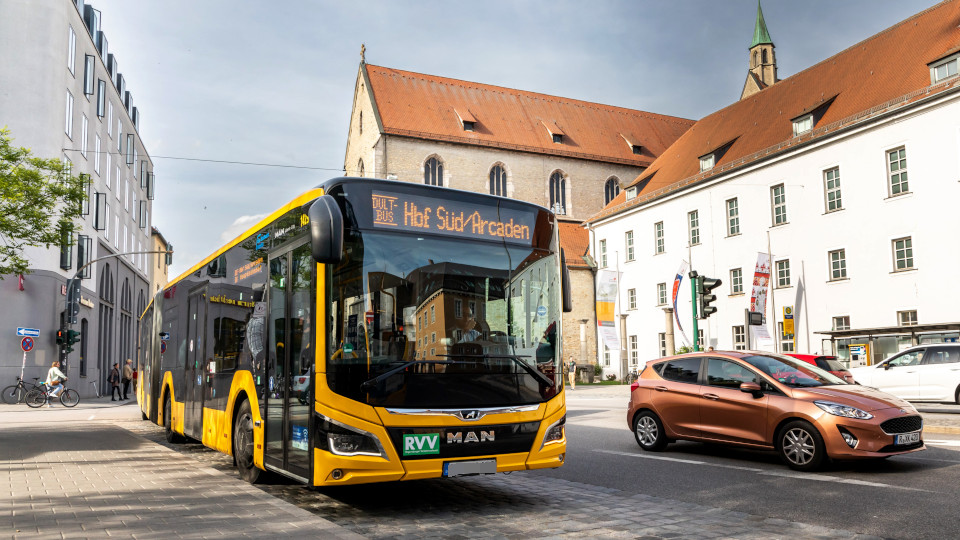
pixel 597 370
pixel 683 349
pixel 612 377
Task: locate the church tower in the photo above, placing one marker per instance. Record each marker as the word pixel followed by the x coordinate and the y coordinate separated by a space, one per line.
pixel 763 60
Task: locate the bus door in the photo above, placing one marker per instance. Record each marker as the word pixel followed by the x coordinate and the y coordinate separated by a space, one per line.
pixel 195 370
pixel 290 360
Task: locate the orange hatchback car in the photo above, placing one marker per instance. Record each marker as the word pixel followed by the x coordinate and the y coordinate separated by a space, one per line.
pixel 768 401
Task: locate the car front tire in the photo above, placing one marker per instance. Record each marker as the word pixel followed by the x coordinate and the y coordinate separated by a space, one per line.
pixel 801 446
pixel 648 430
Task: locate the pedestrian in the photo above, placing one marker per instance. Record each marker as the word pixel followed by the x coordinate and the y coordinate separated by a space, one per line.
pixel 572 373
pixel 127 377
pixel 114 380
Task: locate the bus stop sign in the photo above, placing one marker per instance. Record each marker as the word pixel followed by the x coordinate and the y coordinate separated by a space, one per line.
pixel 26 344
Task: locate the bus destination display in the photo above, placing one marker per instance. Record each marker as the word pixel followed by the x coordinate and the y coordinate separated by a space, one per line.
pixel 427 214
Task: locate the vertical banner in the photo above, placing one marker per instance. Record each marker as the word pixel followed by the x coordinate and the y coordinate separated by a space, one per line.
pixel 607 286
pixel 676 290
pixel 758 301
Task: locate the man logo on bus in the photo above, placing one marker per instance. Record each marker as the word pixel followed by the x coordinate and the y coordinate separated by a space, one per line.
pixel 421 445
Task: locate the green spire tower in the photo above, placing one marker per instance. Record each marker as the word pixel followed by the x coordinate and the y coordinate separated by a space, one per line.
pixel 763 61
pixel 760 34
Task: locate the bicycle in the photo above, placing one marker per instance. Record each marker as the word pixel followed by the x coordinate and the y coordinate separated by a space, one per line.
pixel 16 393
pixel 39 396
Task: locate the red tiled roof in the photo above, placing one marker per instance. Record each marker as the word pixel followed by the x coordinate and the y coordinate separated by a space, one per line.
pixel 425 106
pixel 575 241
pixel 885 70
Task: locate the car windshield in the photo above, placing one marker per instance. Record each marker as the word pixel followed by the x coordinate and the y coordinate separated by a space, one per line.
pixel 829 363
pixel 792 372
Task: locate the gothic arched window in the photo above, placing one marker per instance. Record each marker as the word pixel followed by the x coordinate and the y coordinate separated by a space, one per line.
pixel 558 193
pixel 610 190
pixel 433 172
pixel 498 181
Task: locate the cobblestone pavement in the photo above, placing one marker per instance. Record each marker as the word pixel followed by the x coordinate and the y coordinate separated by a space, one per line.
pixel 515 506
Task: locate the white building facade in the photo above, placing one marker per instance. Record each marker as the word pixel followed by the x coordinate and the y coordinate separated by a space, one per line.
pixel 64 96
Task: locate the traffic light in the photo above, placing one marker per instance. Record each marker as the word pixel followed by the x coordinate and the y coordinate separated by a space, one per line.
pixel 73 336
pixel 704 298
pixel 60 337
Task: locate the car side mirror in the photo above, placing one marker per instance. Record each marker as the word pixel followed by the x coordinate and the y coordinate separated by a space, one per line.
pixel 886 366
pixel 751 388
pixel 326 230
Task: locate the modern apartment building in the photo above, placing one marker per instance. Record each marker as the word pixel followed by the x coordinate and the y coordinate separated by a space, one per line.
pixel 63 95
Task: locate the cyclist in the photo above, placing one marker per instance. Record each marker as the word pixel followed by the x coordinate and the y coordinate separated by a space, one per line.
pixel 55 379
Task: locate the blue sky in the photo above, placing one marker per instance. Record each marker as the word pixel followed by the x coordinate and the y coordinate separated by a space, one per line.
pixel 272 82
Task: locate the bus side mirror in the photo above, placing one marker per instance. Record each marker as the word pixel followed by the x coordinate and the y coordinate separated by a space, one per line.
pixel 326 230
pixel 565 280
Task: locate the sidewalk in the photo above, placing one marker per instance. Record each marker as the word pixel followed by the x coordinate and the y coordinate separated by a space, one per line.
pixel 83 479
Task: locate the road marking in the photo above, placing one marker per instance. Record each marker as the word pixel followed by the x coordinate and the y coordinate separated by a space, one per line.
pixel 92 416
pixel 763 472
pixel 937 442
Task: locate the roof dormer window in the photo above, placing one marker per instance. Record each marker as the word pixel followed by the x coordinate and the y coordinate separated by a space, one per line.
pixel 944 70
pixel 637 149
pixel 707 162
pixel 631 193
pixel 557 138
pixel 803 124
pixel 467 120
pixel 554 130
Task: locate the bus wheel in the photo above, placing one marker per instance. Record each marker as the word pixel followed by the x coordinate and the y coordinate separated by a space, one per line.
pixel 171 435
pixel 243 444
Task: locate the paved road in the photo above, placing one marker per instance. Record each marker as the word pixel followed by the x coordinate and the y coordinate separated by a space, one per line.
pixel 911 496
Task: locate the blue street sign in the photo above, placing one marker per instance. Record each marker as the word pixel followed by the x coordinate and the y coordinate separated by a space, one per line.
pixel 26 344
pixel 31 332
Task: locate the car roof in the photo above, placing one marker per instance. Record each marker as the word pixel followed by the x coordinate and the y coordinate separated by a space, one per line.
pixel 711 354
pixel 811 356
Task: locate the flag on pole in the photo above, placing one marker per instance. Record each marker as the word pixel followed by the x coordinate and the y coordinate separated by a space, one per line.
pixel 676 291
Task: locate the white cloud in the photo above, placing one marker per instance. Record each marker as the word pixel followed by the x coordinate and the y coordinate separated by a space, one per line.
pixel 240 225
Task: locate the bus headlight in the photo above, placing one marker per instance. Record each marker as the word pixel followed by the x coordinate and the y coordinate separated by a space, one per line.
pixel 343 440
pixel 555 433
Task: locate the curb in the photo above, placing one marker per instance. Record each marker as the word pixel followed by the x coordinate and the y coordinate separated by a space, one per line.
pixel 943 430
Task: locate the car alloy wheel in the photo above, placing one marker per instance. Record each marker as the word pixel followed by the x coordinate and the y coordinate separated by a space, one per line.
pixel 648 430
pixel 801 446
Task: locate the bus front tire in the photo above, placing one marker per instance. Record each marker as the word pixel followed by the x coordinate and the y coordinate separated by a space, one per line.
pixel 243 444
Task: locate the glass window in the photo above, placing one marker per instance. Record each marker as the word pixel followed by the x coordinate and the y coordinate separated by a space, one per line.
pixel 841 323
pixel 88 74
pixel 728 374
pixel 739 338
pixel 661 294
pixel 96 152
pixel 907 318
pixel 838 264
pixel 778 198
pixel 629 245
pixel 610 190
pixel 498 181
pixel 101 97
pixel 706 162
pixel 68 128
pixel 802 125
pixel 110 118
pixel 693 220
pixel 558 193
pixel 940 355
pixel 831 189
pixel 792 372
pixel 897 171
pixel 458 308
pixel 700 338
pixel 71 50
pixel 658 237
pixel 786 340
pixel 84 133
pixel 909 358
pixel 634 354
pixel 603 253
pixel 903 254
pixel 783 273
pixel 944 71
pixel 685 370
pixel 736 281
pixel 733 217
pixel 662 339
pixel 631 299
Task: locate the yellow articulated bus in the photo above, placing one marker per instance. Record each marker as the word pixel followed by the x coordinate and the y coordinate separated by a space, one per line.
pixel 368 331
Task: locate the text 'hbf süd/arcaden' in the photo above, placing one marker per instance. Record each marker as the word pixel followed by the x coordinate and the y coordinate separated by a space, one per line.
pixel 437 217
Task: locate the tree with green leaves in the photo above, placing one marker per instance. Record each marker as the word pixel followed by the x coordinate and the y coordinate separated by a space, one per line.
pixel 40 204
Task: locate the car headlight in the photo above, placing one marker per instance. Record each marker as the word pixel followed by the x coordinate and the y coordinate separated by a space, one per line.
pixel 344 440
pixel 838 409
pixel 555 433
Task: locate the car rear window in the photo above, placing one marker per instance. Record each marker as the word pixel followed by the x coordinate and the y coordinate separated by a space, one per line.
pixel 944 355
pixel 685 370
pixel 829 363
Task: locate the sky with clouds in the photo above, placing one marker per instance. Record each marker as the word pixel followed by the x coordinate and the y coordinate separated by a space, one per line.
pixel 272 82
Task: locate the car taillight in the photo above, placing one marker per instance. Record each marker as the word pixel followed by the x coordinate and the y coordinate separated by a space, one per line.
pixel 634 385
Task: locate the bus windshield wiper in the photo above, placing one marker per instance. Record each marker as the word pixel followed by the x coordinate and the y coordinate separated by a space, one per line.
pixel 366 385
pixel 516 358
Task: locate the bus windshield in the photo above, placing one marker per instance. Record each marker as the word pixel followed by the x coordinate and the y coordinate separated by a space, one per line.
pixel 429 321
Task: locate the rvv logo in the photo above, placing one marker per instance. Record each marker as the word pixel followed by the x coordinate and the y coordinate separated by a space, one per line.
pixel 421 445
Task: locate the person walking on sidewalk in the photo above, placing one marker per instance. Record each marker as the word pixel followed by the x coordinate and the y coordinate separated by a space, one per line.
pixel 114 380
pixel 572 373
pixel 127 376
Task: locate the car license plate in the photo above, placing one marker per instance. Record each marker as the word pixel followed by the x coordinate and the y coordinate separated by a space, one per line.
pixel 908 438
pixel 463 468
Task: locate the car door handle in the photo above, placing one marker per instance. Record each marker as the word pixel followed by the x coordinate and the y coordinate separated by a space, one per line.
pixel 713 397
pixel 660 388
